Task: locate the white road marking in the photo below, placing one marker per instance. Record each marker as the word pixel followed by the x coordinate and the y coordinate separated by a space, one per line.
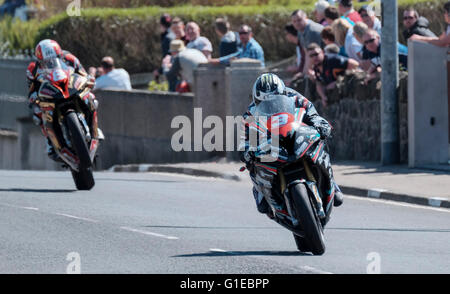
pixel 398 203
pixel 77 217
pixel 314 270
pixel 217 250
pixel 306 268
pixel 149 233
pixel 31 208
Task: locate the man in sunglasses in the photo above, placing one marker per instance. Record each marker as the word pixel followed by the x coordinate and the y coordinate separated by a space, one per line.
pixel 369 18
pixel 248 48
pixel 444 38
pixel 372 52
pixel 327 67
pixel 415 24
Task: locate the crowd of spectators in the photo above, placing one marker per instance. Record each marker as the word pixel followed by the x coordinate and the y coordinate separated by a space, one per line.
pixel 339 38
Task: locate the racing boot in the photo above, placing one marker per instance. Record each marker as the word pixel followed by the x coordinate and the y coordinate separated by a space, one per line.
pixel 51 152
pixel 338 196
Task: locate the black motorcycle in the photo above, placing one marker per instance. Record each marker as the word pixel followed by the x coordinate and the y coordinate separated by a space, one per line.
pixel 285 170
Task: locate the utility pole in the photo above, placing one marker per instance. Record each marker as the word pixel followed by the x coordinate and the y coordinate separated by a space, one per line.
pixel 390 138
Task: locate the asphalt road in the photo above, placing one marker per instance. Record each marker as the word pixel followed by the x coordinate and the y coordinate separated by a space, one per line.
pixel 164 224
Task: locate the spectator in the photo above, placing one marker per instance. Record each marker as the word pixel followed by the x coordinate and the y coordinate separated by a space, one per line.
pixel 177 27
pixel 326 69
pixel 117 79
pixel 415 25
pixel 359 30
pixel 181 68
pixel 319 12
pixel 248 48
pixel 166 37
pixel 166 34
pixel 229 40
pixel 196 41
pixel 328 35
pixel 332 13
pixel 372 44
pixel 444 39
pixel 291 37
pixel 331 48
pixel 308 30
pixel 10 6
pixel 345 8
pixel 343 33
pixel 370 19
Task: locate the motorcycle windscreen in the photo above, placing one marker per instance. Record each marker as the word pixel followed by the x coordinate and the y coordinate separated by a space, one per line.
pixel 275 104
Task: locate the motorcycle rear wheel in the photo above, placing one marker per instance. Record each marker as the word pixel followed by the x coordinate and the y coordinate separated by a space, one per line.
pixel 308 220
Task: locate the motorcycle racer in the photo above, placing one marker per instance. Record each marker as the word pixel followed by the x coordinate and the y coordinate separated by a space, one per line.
pixel 269 84
pixel 47 52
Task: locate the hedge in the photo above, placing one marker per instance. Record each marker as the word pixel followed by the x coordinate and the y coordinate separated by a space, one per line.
pixel 131 36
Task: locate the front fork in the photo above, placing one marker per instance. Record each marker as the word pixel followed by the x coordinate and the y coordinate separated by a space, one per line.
pixel 311 185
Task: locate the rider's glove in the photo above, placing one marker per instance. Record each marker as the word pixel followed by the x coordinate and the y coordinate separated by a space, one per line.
pixel 32 99
pixel 91 81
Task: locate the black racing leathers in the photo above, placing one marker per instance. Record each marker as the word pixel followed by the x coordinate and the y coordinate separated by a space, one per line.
pixel 311 118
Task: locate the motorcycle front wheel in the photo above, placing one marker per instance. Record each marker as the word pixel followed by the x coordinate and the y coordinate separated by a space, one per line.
pixel 84 179
pixel 308 220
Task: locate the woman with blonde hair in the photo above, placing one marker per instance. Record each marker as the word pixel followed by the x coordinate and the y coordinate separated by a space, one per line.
pixel 343 32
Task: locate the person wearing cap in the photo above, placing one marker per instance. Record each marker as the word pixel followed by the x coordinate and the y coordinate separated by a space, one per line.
pixel 370 19
pixel 345 8
pixel 248 48
pixel 196 41
pixel 181 67
pixel 113 78
pixel 319 12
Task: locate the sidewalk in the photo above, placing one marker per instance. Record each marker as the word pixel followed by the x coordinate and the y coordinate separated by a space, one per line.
pixel 365 179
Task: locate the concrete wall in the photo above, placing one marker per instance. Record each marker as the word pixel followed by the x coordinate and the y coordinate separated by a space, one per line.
pixel 9 156
pixel 13 76
pixel 137 127
pixel 427 105
pixel 12 107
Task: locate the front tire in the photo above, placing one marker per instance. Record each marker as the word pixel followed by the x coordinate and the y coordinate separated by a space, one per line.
pixel 78 140
pixel 308 220
pixel 84 179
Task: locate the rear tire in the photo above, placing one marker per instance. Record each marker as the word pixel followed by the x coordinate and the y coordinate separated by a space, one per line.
pixel 308 220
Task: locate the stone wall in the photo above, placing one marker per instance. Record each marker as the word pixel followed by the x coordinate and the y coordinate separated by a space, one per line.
pixel 354 113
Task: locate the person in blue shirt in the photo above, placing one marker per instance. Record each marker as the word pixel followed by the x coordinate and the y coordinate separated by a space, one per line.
pixel 248 48
pixel 372 52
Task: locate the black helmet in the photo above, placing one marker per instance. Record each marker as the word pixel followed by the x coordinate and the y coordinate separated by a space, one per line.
pixel 265 85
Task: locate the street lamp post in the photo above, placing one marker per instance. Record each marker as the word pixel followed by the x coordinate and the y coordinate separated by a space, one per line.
pixel 390 139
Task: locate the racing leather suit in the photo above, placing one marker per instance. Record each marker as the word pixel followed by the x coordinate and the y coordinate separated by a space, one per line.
pixel 34 70
pixel 311 118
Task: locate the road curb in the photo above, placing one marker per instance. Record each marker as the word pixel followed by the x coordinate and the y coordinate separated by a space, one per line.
pixel 347 190
pixel 173 169
pixel 386 195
